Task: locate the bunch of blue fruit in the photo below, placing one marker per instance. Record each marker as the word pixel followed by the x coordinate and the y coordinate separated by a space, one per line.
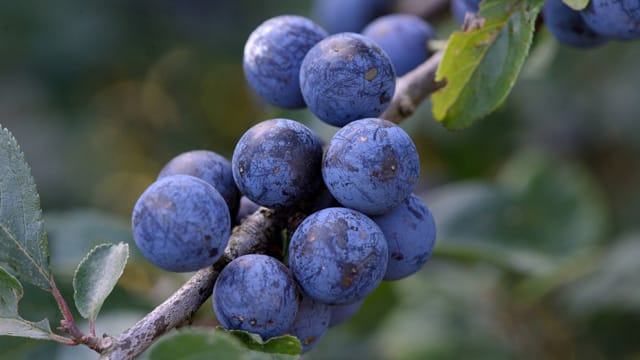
pixel 361 222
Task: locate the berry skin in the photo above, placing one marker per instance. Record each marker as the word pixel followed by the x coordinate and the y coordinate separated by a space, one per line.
pixel 273 54
pixel 619 19
pixel 311 322
pixel 338 255
pixel 348 15
pixel 346 77
pixel 247 207
pixel 342 313
pixel 568 26
pixel 181 223
pixel 371 165
pixel 256 293
pixel 403 38
pixel 210 167
pixel 410 232
pixel 276 163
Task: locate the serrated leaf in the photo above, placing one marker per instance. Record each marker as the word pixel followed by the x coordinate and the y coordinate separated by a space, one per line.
pixel 11 323
pixel 481 65
pixel 576 4
pixel 203 344
pixel 23 241
pixel 97 275
pixel 286 344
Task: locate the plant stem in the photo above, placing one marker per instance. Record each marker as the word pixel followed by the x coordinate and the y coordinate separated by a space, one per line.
pixel 62 304
pixel 253 236
pixel 67 324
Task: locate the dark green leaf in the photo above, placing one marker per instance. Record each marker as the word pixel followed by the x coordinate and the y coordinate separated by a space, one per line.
pixel 539 214
pixel 195 345
pixel 288 345
pixel 97 275
pixel 11 323
pixel 615 283
pixel 576 4
pixel 481 64
pixel 204 344
pixel 23 241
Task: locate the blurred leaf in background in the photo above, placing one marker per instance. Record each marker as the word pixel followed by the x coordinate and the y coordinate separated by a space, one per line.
pixel 538 205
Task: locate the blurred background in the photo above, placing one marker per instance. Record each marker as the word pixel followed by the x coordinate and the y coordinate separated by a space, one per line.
pixel 537 206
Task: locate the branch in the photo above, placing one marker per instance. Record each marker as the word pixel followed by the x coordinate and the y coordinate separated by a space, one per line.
pixel 253 236
pixel 413 88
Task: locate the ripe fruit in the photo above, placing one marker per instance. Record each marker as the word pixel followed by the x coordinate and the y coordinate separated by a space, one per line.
pixel 338 255
pixel 181 223
pixel 247 207
pixel 210 167
pixel 276 163
pixel 410 232
pixel 403 38
pixel 273 54
pixel 618 19
pixel 342 313
pixel 371 165
pixel 255 293
pixel 311 322
pixel 346 77
pixel 568 26
pixel 348 15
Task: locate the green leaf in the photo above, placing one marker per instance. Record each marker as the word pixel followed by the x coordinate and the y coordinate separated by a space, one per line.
pixel 73 233
pixel 481 65
pixel 535 217
pixel 576 4
pixel 11 323
pixel 286 344
pixel 97 275
pixel 23 241
pixel 614 284
pixel 195 344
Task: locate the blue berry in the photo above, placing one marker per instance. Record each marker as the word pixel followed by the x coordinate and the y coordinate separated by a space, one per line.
pixel 273 54
pixel 311 322
pixel 181 223
pixel 338 255
pixel 210 167
pixel 346 77
pixel 255 293
pixel 410 232
pixel 247 207
pixel 618 19
pixel 348 15
pixel 568 26
pixel 371 165
pixel 342 313
pixel 276 163
pixel 403 38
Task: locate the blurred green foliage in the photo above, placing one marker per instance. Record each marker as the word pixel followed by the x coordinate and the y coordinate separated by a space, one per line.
pixel 538 206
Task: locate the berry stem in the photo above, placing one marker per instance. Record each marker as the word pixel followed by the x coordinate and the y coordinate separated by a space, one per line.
pixel 253 236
